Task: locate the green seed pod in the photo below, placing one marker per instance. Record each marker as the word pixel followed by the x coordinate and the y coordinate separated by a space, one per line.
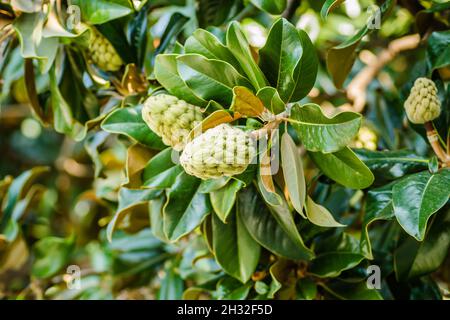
pixel 221 151
pixel 102 52
pixel 423 104
pixel 171 118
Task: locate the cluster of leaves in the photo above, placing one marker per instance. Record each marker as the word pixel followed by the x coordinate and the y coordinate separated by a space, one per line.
pixel 118 206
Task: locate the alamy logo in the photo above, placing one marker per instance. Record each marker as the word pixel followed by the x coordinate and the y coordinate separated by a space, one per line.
pixel 374 20
pixel 374 278
pixel 73 277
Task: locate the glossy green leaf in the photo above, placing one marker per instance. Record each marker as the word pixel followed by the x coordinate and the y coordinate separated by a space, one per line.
pixel 346 290
pixel 320 133
pixel 36 39
pixel 289 61
pixel 51 255
pixel 319 215
pixel 223 199
pixel 305 72
pixel 335 254
pixel 166 73
pixel 231 289
pixel 417 197
pixel 271 6
pixel 17 191
pixel 155 209
pixel 271 99
pixel 210 79
pixel 174 27
pixel 275 231
pixel 328 6
pixel 206 44
pixel 378 207
pixel 294 176
pixel 234 248
pixel 331 264
pixel 344 167
pixel 217 12
pixel 239 46
pixel 128 121
pixel 307 288
pixel 63 119
pixel 210 185
pixel 414 259
pixel 101 11
pixel 438 50
pixel 279 57
pixel 160 172
pixel 185 208
pixel 391 165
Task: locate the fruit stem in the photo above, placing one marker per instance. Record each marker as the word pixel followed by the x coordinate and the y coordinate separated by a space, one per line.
pixel 433 138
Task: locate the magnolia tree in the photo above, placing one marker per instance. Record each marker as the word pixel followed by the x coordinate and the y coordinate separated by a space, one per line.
pixel 241 149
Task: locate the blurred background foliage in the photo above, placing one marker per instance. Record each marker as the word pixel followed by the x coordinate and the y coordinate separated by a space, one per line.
pixel 60 185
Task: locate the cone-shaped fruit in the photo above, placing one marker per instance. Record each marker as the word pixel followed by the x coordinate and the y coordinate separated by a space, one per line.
pixel 221 151
pixel 102 52
pixel 171 118
pixel 423 104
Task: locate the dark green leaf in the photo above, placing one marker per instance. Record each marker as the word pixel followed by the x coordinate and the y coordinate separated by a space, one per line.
pixel 391 165
pixel 415 259
pixel 279 234
pixel 328 6
pixel 344 167
pixel 271 6
pixel 378 207
pixel 438 51
pixel 238 44
pixel 234 248
pixel 417 197
pixel 101 11
pixel 51 255
pixel 128 121
pixel 223 199
pixel 210 79
pixel 320 133
pixel 185 208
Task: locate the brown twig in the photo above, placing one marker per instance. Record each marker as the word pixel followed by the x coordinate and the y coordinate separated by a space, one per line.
pixel 433 138
pixel 356 90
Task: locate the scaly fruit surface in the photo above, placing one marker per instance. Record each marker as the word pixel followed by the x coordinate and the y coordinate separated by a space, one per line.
pixel 221 151
pixel 171 118
pixel 102 52
pixel 423 104
pixel 366 139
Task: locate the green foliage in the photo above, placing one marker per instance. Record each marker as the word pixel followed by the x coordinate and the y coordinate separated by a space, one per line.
pixel 341 180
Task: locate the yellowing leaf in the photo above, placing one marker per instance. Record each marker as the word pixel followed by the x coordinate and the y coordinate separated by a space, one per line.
pixel 246 103
pixel 213 120
pixel 137 158
pixel 293 173
pixel 266 179
pixel 319 215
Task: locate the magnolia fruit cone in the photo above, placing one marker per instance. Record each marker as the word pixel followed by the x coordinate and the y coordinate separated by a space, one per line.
pixel 221 151
pixel 171 118
pixel 423 104
pixel 102 52
pixel 366 138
